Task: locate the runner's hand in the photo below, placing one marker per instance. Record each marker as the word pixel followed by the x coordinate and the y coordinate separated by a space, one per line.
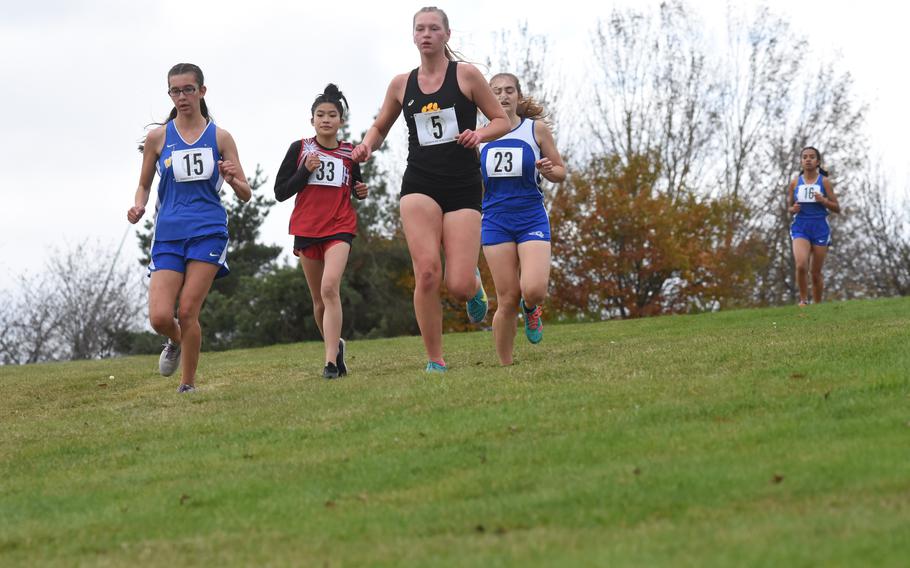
pixel 135 213
pixel 469 139
pixel 361 153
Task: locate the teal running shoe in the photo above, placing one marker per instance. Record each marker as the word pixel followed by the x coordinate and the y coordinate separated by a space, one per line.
pixel 533 323
pixel 434 367
pixel 477 306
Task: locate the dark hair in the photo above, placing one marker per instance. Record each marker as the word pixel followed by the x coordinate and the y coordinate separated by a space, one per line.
pixel 817 155
pixel 331 95
pixel 527 106
pixel 451 54
pixel 180 69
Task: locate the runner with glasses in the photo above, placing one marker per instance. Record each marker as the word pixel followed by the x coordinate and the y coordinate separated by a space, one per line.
pixel 192 158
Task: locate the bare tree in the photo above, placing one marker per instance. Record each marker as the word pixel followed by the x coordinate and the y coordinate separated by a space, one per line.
pixel 876 260
pixel 654 92
pixel 29 323
pixel 72 310
pixel 526 55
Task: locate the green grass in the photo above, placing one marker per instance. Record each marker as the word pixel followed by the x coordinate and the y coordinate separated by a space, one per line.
pixel 776 437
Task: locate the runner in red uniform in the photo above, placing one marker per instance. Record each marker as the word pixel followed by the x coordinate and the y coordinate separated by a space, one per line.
pixel 319 171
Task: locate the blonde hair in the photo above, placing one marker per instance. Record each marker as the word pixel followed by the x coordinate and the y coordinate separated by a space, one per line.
pixel 527 106
pixel 451 54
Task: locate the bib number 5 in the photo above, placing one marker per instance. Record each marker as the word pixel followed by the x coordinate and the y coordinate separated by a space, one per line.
pixel 437 127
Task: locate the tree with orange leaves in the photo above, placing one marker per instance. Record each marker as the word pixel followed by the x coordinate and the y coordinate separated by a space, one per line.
pixel 623 249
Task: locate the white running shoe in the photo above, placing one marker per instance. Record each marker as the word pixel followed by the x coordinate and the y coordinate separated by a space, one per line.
pixel 170 359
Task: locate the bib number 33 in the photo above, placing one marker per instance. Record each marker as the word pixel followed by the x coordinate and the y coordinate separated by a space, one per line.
pixel 330 172
pixel 193 164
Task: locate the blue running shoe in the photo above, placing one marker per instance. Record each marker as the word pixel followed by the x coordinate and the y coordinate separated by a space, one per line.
pixel 533 323
pixel 434 367
pixel 477 306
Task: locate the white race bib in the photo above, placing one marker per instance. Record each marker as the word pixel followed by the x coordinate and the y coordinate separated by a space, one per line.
pixel 437 127
pixel 504 162
pixel 193 164
pixel 806 193
pixel 329 172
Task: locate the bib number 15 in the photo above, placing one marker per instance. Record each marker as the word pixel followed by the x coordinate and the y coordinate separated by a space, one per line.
pixel 193 164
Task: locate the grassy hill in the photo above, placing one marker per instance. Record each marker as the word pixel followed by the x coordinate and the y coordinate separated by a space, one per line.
pixel 756 437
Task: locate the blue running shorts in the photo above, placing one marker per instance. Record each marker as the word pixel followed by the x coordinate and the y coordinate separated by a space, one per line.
pixel 816 231
pixel 515 227
pixel 173 255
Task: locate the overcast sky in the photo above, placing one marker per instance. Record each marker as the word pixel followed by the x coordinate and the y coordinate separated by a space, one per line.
pixel 82 78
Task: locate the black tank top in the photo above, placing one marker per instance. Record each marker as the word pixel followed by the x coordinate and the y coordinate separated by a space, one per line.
pixel 433 157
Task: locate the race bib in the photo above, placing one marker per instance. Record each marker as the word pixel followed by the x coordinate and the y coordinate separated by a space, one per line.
pixel 193 164
pixel 504 162
pixel 437 127
pixel 806 193
pixel 330 172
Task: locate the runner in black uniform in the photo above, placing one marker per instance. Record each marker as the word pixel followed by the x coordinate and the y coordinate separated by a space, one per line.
pixel 441 189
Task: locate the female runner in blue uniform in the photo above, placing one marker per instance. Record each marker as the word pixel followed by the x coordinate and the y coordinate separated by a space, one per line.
pixel 809 197
pixel 441 191
pixel 192 157
pixel 515 232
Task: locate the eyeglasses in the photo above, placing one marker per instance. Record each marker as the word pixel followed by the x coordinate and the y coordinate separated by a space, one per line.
pixel 174 92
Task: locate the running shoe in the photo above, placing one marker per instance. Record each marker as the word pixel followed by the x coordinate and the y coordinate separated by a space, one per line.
pixel 533 323
pixel 477 306
pixel 339 360
pixel 330 371
pixel 170 358
pixel 185 389
pixel 434 367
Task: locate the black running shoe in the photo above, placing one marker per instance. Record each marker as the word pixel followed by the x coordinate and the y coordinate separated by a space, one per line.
pixel 330 371
pixel 339 360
